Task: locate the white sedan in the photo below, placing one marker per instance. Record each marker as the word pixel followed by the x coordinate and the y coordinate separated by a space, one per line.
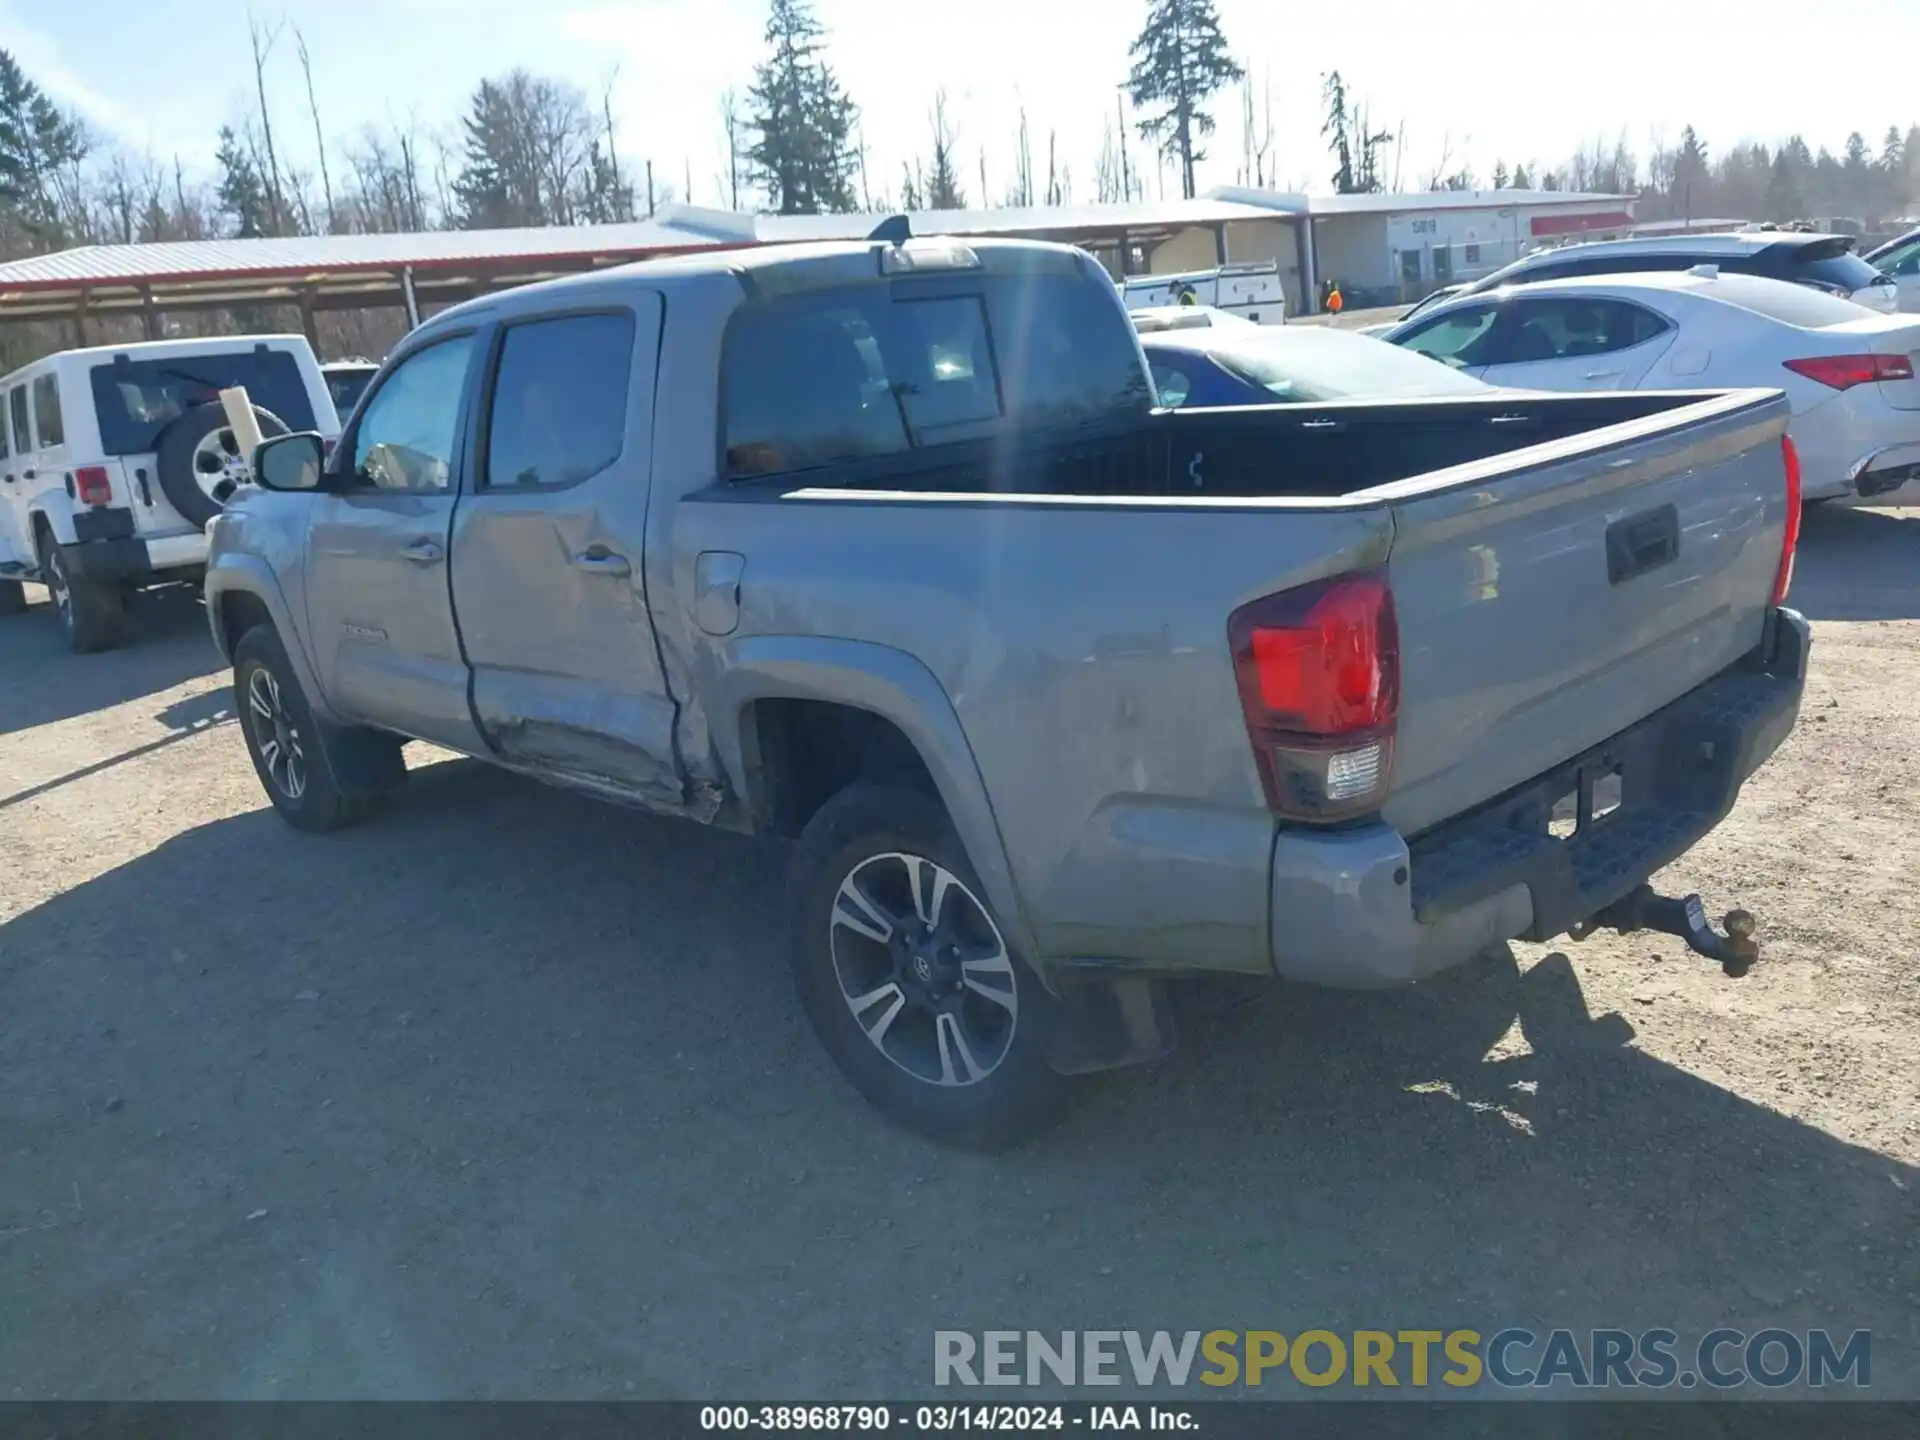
pixel 1848 372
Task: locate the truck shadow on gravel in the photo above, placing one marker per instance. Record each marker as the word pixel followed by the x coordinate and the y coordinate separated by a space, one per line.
pixel 42 682
pixel 1858 564
pixel 507 1094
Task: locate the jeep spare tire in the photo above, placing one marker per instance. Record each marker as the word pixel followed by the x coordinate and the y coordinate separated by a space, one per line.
pixel 200 463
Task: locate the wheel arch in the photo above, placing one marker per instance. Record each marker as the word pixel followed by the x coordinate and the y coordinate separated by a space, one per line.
pixel 767 675
pixel 241 591
pixel 50 511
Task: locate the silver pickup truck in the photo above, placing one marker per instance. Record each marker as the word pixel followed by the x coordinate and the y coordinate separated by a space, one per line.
pixel 884 548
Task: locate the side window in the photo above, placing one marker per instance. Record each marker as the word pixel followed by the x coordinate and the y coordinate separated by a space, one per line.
pixel 406 436
pixel 1460 339
pixel 1173 386
pixel 5 448
pixel 17 406
pixel 559 410
pixel 47 411
pixel 1902 262
pixel 1573 328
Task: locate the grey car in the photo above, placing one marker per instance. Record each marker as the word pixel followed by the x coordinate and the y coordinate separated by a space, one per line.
pixel 1061 697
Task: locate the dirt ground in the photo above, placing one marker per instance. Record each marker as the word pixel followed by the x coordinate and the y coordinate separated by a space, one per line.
pixel 506 1094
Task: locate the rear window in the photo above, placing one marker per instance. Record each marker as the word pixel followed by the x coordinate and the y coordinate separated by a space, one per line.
pixel 1791 304
pixel 879 370
pixel 346 387
pixel 137 399
pixel 1847 270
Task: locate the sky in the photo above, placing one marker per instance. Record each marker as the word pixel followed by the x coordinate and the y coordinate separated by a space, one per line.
pixel 1471 81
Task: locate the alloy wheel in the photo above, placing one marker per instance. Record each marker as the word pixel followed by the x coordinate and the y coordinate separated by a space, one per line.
pixel 275 734
pixel 218 466
pixel 923 969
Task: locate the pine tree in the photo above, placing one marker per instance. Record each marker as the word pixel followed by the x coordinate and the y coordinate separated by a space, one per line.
pixel 1338 130
pixel 37 141
pixel 802 154
pixel 1180 61
pixel 243 194
pixel 1500 176
pixel 1692 176
pixel 1521 181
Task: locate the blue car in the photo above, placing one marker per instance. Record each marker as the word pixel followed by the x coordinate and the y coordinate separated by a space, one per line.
pixel 1268 365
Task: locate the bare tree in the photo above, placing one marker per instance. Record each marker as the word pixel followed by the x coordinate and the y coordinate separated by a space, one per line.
pixel 940 188
pixel 263 42
pixel 1109 186
pixel 319 133
pixel 1256 133
pixel 730 121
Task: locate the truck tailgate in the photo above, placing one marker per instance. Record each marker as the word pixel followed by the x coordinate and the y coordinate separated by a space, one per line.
pixel 1544 611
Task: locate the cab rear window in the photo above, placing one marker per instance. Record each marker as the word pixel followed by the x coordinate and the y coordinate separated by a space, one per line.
pixel 881 370
pixel 137 399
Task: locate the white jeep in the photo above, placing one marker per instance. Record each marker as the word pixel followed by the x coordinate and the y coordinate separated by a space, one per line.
pixel 113 459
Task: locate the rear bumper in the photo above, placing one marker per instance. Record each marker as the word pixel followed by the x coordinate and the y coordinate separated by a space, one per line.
pixel 100 554
pixel 1365 908
pixel 1885 469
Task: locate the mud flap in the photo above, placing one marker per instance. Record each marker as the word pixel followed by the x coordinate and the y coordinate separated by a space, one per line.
pixel 1108 1023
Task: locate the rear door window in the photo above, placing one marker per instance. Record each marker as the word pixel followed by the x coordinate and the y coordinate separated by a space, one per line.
pixel 559 409
pixel 1573 327
pixel 875 370
pixel 137 399
pixel 47 422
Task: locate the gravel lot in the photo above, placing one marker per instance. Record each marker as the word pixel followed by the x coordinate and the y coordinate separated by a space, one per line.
pixel 506 1094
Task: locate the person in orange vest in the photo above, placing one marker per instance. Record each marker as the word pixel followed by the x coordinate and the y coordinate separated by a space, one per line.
pixel 1335 304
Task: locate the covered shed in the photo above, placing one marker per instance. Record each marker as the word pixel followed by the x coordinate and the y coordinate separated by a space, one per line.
pixel 317 273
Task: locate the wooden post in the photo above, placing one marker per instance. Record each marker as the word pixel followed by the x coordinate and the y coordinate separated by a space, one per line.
pixel 308 326
pixel 80 322
pixel 149 317
pixel 408 298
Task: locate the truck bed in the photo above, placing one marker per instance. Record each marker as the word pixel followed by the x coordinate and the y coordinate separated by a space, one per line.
pixel 1072 599
pixel 1321 451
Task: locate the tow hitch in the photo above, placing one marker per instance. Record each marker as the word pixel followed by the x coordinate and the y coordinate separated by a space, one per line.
pixel 1736 950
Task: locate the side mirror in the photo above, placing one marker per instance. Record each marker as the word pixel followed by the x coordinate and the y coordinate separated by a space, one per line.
pixel 290 462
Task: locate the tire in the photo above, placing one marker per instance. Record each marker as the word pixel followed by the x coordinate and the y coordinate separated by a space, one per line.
pixel 176 452
pixel 13 598
pixel 298 758
pixel 92 613
pixel 951 1048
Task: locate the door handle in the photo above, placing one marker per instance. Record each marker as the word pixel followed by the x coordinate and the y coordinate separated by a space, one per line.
pixel 1604 374
pixel 598 560
pixel 423 552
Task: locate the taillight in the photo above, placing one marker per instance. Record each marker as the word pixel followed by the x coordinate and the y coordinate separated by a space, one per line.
pixel 1843 372
pixel 90 483
pixel 1319 675
pixel 1790 540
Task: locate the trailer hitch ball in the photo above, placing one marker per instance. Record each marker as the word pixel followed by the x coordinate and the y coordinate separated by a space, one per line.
pixel 1736 950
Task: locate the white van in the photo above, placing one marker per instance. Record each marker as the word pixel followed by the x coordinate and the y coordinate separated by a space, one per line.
pixel 1252 292
pixel 113 459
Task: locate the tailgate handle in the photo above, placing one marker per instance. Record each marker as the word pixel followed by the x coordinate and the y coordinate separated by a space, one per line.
pixel 1642 542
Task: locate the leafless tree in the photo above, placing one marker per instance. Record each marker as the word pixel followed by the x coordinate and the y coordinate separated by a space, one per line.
pixel 319 131
pixel 731 122
pixel 263 42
